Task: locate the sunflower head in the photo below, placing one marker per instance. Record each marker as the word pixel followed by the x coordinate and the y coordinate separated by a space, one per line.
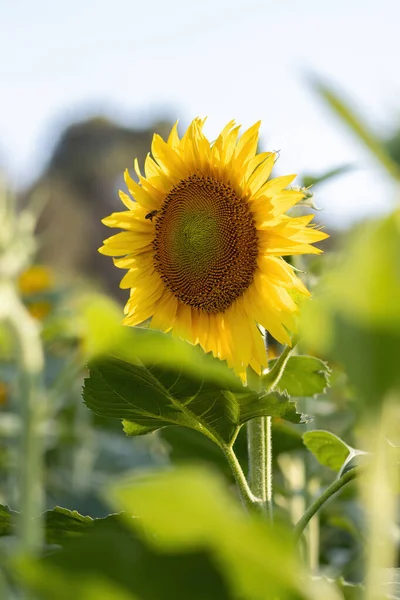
pixel 203 238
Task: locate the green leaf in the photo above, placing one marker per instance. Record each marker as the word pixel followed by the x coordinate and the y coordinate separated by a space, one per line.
pixel 53 582
pixel 189 509
pixel 328 449
pixel 171 382
pixel 356 124
pixel 100 326
pixel 60 524
pixel 356 308
pixel 7 520
pixel 113 557
pixel 303 376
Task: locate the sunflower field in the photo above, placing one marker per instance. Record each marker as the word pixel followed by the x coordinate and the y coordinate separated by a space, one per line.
pixel 228 426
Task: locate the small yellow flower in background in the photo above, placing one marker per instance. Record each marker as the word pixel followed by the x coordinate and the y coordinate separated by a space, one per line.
pixel 4 393
pixel 37 279
pixel 34 280
pixel 39 310
pixel 203 242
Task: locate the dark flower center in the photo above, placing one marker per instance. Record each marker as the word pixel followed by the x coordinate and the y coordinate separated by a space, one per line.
pixel 205 244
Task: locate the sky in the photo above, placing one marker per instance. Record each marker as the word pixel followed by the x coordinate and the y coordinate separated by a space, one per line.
pixel 247 60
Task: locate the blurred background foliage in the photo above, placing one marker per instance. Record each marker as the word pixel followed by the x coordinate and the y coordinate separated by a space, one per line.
pixel 201 541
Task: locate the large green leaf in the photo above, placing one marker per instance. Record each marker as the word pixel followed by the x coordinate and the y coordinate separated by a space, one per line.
pixel 357 126
pixel 112 558
pixel 189 509
pixel 357 309
pixel 150 397
pixel 303 376
pixel 51 582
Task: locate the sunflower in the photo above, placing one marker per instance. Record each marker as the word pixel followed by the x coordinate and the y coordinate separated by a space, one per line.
pixel 203 241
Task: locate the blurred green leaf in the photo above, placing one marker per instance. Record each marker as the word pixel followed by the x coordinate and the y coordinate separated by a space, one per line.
pixel 100 326
pixel 51 582
pixel 328 449
pixel 7 520
pixel 171 382
pixel 357 309
pixel 117 559
pixel 60 523
pixel 303 376
pixel 312 180
pixel 356 124
pixel 371 358
pixel 351 591
pixel 367 283
pixel 189 509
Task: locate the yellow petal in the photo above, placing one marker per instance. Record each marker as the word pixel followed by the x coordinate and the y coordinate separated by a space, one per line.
pixel 165 312
pixel 247 145
pixel 277 245
pixel 173 138
pixel 260 175
pixel 140 194
pixel 129 203
pixel 129 221
pixel 167 158
pixel 183 322
pixel 275 186
pixel 285 200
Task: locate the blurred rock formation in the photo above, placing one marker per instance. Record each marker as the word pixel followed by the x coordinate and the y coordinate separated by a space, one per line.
pixel 79 187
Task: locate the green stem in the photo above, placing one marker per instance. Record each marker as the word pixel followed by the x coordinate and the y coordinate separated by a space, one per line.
pixel 320 501
pixel 259 440
pixel 268 466
pixel 271 379
pixel 31 363
pixel 260 461
pixel 249 500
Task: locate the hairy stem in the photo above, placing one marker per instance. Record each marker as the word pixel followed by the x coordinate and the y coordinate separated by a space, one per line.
pixel 249 500
pixel 320 501
pixel 260 461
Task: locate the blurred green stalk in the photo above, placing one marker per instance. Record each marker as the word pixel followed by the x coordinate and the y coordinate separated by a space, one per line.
pixel 32 406
pixel 379 494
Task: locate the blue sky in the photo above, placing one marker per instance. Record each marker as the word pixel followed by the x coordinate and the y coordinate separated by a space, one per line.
pixel 243 60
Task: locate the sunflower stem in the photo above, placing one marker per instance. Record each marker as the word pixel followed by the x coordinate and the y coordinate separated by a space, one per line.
pixel 260 462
